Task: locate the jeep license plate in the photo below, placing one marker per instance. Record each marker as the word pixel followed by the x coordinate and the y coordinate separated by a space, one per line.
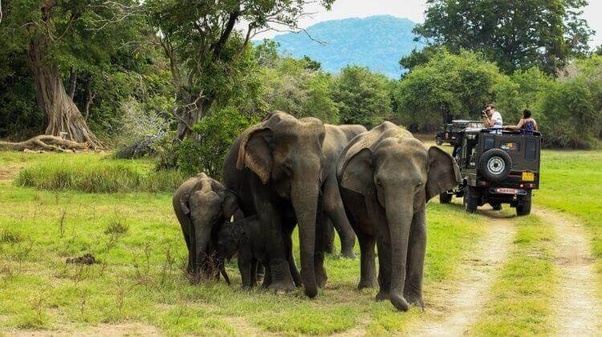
pixel 528 176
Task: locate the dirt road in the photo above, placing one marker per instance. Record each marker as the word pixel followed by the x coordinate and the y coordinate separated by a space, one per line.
pixel 577 310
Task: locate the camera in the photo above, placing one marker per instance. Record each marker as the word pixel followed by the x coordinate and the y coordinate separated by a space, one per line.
pixel 484 113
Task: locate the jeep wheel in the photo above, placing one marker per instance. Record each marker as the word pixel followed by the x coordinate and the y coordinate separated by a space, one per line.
pixel 471 199
pixel 495 164
pixel 524 204
pixel 445 198
pixel 438 141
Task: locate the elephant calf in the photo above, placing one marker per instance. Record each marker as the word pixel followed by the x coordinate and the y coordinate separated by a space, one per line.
pixel 244 237
pixel 202 205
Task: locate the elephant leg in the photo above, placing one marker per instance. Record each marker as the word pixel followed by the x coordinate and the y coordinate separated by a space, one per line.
pixel 335 211
pixel 384 270
pixel 412 290
pixel 254 263
pixel 245 266
pixel 260 272
pixel 368 262
pixel 287 238
pixel 267 278
pixel 329 237
pixel 271 220
pixel 321 276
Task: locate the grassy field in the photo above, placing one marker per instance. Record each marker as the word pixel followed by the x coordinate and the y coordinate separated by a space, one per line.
pixel 138 280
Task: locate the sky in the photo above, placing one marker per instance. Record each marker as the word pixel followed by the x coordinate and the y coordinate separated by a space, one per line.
pixel 414 10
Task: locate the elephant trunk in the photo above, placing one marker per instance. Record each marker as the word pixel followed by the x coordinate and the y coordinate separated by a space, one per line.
pixel 200 247
pixel 304 197
pixel 399 218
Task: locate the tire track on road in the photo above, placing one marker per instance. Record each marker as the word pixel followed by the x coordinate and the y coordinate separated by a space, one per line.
pixel 465 300
pixel 578 310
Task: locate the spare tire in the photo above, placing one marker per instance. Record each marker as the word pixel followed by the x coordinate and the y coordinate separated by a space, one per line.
pixel 495 164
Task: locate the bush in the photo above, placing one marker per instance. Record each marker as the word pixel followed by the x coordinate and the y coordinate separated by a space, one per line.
pixel 216 133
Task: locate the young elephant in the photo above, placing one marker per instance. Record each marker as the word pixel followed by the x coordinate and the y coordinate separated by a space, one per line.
pixel 202 205
pixel 244 237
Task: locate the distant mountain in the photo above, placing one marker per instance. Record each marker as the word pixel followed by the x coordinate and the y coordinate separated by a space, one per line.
pixel 376 42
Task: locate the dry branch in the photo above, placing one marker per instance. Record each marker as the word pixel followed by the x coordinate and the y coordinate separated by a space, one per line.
pixel 44 143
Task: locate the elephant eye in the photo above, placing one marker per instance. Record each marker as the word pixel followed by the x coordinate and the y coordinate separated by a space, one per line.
pixel 379 183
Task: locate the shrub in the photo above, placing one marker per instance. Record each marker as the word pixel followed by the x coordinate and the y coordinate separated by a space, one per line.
pixel 216 133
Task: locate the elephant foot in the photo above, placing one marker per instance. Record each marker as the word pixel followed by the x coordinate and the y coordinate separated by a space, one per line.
pixel 348 254
pixel 366 284
pixel 281 287
pixel 321 277
pixel 399 302
pixel 382 296
pixel 415 300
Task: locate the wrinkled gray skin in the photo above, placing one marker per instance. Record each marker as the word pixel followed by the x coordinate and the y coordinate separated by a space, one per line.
pixel 386 176
pixel 337 137
pixel 202 204
pixel 275 169
pixel 244 238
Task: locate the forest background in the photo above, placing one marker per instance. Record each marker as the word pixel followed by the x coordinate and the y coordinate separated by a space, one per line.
pixel 171 78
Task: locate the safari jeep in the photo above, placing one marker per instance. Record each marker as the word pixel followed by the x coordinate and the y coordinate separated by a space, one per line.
pixel 451 132
pixel 497 167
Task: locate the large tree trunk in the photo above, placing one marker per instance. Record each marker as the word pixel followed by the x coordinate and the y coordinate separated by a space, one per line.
pixel 64 118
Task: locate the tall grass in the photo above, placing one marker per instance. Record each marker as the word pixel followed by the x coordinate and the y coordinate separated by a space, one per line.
pixel 97 176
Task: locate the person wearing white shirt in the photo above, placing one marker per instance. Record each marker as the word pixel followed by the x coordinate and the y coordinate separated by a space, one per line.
pixel 492 118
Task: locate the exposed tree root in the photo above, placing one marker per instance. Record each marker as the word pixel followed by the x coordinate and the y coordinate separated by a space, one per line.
pixel 44 143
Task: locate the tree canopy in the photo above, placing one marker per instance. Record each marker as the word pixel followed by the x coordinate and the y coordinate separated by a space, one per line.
pixel 516 34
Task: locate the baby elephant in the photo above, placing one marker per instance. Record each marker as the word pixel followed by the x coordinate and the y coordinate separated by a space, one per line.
pixel 244 237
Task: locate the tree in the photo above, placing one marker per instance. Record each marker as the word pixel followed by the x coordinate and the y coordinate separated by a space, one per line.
pixel 448 86
pixel 59 36
pixel 362 97
pixel 205 42
pixel 516 34
pixel 300 88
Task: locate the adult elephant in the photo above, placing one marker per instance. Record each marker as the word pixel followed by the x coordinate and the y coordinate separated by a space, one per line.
pixel 335 140
pixel 202 204
pixel 275 168
pixel 386 176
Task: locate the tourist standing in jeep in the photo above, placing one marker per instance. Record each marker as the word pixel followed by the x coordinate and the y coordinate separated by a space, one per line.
pixel 527 124
pixel 492 118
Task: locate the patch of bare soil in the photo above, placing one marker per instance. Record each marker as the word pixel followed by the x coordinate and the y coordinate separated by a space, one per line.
pixel 123 329
pixel 578 311
pixel 456 308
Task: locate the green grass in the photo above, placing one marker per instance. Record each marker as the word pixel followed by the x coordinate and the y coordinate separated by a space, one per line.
pixel 93 174
pixel 572 183
pixel 47 215
pixel 522 296
pixel 137 241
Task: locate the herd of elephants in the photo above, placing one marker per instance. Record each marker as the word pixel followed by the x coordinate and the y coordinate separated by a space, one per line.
pixel 284 171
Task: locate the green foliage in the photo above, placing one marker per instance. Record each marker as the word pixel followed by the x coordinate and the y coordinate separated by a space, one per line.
pixel 448 85
pixel 571 118
pixel 362 97
pixel 216 133
pixel 522 90
pixel 297 87
pixel 514 34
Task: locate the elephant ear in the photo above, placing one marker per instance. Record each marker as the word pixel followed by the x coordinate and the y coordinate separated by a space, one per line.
pixel 229 204
pixel 357 172
pixel 255 153
pixel 444 172
pixel 184 203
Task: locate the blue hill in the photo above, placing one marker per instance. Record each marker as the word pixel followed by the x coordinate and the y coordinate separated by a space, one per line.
pixel 376 42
